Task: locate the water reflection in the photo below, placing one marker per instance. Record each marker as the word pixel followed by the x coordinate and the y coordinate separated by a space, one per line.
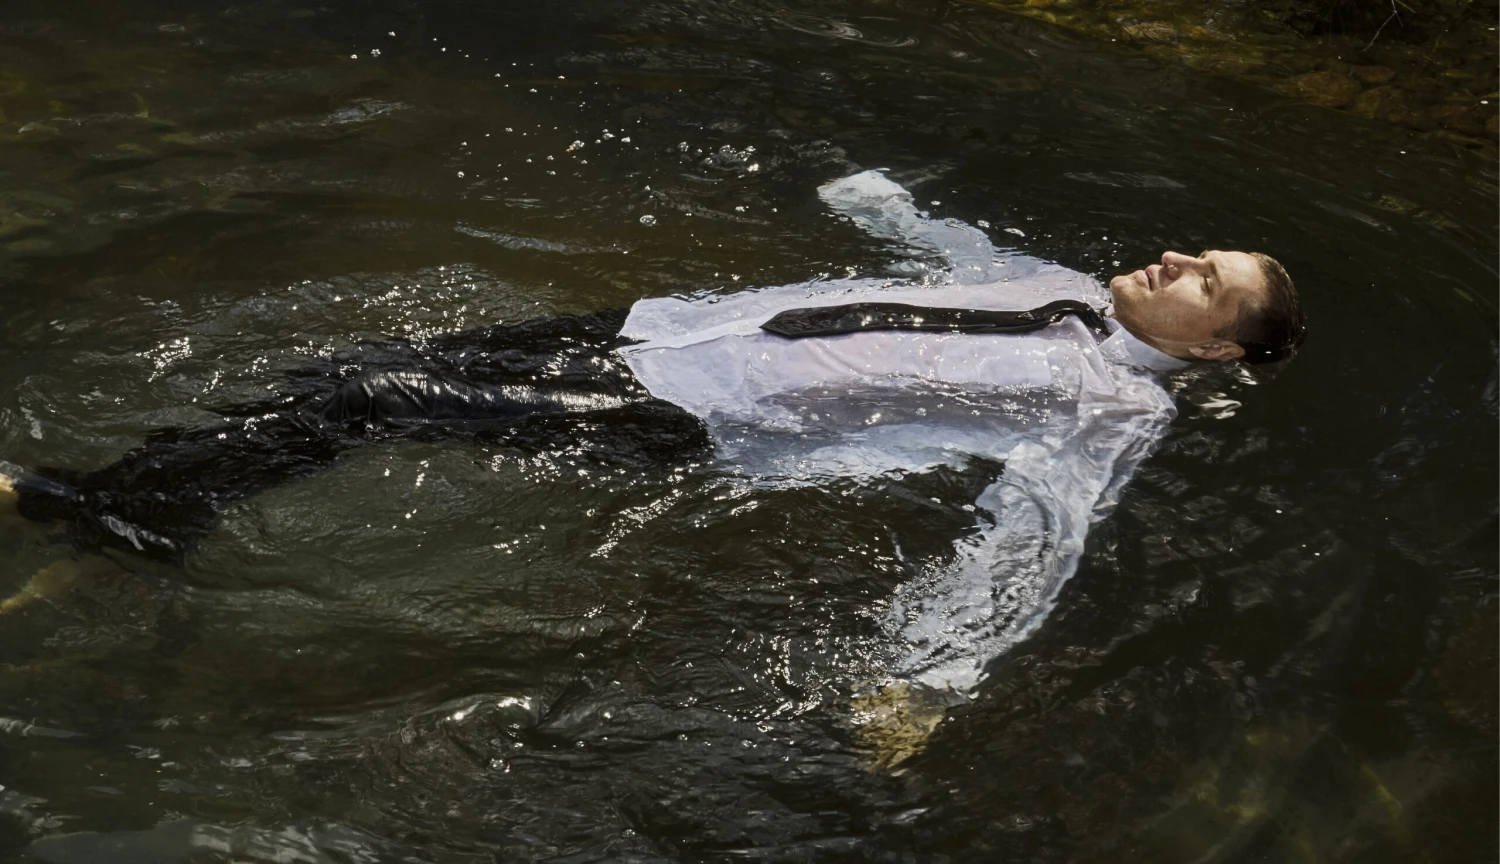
pixel 1293 605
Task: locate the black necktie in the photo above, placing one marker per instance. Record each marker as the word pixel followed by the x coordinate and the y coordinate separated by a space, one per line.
pixel 860 317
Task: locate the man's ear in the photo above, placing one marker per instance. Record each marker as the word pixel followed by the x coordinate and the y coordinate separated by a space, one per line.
pixel 1218 349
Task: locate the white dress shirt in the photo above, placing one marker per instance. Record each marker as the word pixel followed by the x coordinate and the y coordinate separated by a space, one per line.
pixel 1068 415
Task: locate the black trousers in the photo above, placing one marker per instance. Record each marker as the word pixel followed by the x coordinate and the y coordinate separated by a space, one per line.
pixel 550 385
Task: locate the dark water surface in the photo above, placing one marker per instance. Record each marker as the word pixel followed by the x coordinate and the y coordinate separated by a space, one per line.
pixel 1281 647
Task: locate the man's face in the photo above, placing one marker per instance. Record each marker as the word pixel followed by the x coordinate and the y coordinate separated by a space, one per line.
pixel 1180 305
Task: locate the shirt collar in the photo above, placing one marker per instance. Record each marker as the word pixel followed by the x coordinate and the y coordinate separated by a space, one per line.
pixel 1122 346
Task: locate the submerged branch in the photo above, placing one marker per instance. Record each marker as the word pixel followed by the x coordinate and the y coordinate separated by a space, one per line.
pixel 1394 15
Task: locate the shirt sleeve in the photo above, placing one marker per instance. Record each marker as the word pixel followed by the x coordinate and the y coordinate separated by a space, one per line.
pixel 884 209
pixel 1005 577
pixel 979 275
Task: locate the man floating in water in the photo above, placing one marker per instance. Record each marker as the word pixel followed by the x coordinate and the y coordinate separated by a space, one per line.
pixel 1003 359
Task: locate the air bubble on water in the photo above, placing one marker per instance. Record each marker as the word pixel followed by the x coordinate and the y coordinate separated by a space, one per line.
pixel 982 223
pixel 460 173
pixel 374 52
pixel 754 167
pixel 1016 231
pixel 648 220
pixel 576 145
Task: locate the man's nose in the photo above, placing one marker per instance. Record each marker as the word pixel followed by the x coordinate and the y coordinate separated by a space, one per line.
pixel 1176 264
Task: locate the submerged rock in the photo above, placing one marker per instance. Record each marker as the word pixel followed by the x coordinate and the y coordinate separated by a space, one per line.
pixel 1373 74
pixel 1329 89
pixel 1458 117
pixel 1150 31
pixel 1224 63
pixel 1391 104
pixel 1203 34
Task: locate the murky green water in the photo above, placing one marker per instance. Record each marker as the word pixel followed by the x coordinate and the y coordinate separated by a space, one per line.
pixel 1281 647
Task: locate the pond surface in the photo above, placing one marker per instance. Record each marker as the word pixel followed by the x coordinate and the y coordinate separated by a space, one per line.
pixel 1280 647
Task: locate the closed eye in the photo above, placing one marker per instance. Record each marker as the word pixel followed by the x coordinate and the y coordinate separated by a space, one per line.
pixel 1211 284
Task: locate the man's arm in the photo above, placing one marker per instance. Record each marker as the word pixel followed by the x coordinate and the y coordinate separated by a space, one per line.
pixel 884 209
pixel 1005 578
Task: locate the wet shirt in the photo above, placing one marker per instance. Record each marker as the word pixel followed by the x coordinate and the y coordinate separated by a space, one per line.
pixel 1068 415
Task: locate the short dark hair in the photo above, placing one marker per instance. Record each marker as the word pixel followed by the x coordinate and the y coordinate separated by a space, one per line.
pixel 1273 329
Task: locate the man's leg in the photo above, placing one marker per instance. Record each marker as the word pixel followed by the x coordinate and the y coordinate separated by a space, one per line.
pixel 159 498
pixel 573 353
pixel 596 425
pixel 549 385
pixel 399 402
pixel 538 385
